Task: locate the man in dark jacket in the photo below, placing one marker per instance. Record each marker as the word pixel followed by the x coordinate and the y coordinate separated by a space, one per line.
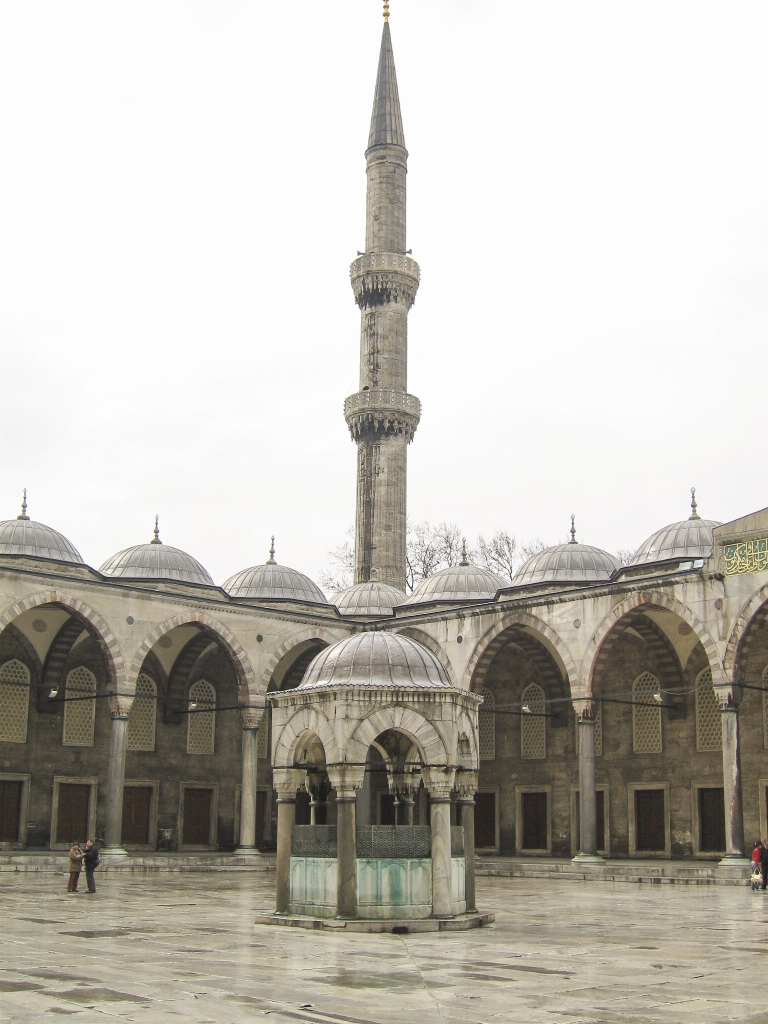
pixel 91 861
pixel 764 862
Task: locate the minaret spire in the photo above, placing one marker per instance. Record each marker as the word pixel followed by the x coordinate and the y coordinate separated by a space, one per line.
pixel 382 416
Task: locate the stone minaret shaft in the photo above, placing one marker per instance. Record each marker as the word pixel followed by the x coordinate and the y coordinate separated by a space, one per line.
pixel 382 416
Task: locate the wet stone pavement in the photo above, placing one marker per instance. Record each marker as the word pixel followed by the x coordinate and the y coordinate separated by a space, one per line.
pixel 173 948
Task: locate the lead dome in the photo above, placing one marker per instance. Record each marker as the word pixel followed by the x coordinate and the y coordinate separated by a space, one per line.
pixel 462 582
pixel 371 598
pixel 23 536
pixel 691 538
pixel 376 659
pixel 273 582
pixel 156 561
pixel 567 563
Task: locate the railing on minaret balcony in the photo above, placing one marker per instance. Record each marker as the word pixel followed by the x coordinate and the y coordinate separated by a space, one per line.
pixel 382 410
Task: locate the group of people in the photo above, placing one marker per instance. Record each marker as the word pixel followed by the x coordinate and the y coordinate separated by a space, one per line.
pixel 79 859
pixel 760 864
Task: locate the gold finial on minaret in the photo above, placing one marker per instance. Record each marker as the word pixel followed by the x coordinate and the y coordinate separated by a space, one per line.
pixel 386 10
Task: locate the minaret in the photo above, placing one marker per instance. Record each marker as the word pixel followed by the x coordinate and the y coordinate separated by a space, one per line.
pixel 382 416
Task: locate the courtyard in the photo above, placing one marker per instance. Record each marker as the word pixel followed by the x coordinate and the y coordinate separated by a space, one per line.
pixel 170 947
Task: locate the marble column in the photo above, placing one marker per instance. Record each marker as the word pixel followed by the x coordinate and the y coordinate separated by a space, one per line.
pixel 439 783
pixel 116 777
pixel 407 805
pixel 587 794
pixel 734 816
pixel 466 787
pixel 286 781
pixel 251 718
pixel 346 782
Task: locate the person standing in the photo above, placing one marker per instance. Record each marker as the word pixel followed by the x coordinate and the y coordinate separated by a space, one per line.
pixel 91 861
pixel 764 863
pixel 75 864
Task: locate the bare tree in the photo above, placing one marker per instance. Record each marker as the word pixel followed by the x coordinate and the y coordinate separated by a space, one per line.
pixel 503 554
pixel 624 556
pixel 340 571
pixel 429 549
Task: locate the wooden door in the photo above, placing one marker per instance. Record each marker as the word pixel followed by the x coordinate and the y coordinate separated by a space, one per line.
pixel 485 821
pixel 649 820
pixel 197 817
pixel 534 821
pixel 10 811
pixel 711 820
pixel 599 818
pixel 72 819
pixel 137 801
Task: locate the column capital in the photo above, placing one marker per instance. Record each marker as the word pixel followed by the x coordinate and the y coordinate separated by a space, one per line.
pixel 346 779
pixel 287 781
pixel 586 711
pixel 439 781
pixel 120 705
pixel 466 785
pixel 251 717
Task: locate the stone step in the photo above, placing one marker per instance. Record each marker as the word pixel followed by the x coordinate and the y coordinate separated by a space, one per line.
pixel 649 871
pixel 23 861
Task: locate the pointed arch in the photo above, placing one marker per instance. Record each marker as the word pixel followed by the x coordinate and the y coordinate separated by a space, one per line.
pixel 489 645
pixel 324 635
pixel 432 747
pixel 247 686
pixel 117 676
pixel 652 599
pixel 287 739
pixel 747 618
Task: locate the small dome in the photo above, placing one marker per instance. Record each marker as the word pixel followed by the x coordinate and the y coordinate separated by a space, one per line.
pixel 23 536
pixel 274 582
pixel 156 561
pixel 462 582
pixel 372 598
pixel 691 538
pixel 376 659
pixel 567 563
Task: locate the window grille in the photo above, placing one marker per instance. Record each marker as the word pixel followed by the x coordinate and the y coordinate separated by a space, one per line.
pixel 262 737
pixel 598 732
pixel 533 730
pixel 142 716
pixel 709 726
pixel 79 713
pixel 14 701
pixel 646 720
pixel 486 716
pixel 201 725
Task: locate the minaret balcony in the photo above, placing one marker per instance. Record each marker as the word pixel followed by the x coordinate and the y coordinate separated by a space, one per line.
pixel 381 277
pixel 382 411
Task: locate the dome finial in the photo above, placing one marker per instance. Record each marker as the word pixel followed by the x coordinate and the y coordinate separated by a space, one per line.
pixel 464 558
pixel 156 538
pixel 573 530
pixel 24 507
pixel 271 559
pixel 694 514
pixel 386 10
pixel 374 577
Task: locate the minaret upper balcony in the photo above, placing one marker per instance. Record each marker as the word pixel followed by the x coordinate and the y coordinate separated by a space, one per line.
pixel 382 411
pixel 380 277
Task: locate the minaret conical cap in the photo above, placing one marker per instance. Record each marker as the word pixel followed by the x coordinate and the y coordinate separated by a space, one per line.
pixel 386 120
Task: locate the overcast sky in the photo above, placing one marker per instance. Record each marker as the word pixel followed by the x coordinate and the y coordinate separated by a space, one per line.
pixel 183 189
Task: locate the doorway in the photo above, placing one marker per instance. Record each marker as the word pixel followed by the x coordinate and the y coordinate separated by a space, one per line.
pixel 196 830
pixel 72 816
pixel 650 824
pixel 137 805
pixel 10 810
pixel 711 820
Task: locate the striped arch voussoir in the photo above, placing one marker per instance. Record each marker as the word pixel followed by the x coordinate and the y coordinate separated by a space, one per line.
pixel 741 628
pixel 246 679
pixel 600 642
pixel 489 645
pixel 103 634
pixel 308 634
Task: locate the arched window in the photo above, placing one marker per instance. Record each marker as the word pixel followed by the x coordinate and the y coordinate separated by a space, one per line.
pixel 765 707
pixel 533 730
pixel 14 701
pixel 262 739
pixel 646 716
pixel 79 711
pixel 141 717
pixel 201 724
pixel 709 726
pixel 486 725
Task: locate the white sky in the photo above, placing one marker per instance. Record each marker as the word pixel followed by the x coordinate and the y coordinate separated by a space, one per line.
pixel 183 189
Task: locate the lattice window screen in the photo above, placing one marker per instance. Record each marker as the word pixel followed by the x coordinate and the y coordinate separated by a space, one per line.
pixel 598 733
pixel 765 708
pixel 201 725
pixel 79 714
pixel 709 726
pixel 487 726
pixel 533 730
pixel 262 739
pixel 142 716
pixel 646 721
pixel 14 701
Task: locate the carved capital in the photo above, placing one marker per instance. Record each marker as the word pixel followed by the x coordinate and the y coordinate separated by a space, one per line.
pixel 120 705
pixel 286 782
pixel 466 785
pixel 346 779
pixel 439 781
pixel 252 718
pixel 586 711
